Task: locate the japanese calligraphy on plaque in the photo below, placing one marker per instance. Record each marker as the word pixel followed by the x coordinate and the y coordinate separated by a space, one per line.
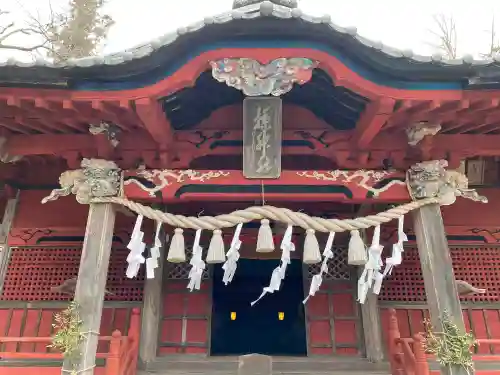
pixel 262 137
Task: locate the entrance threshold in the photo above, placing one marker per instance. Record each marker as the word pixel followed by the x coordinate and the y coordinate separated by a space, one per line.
pixel 193 364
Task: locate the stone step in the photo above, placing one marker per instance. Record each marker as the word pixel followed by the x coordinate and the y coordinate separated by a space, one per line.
pixel 343 372
pixel 193 365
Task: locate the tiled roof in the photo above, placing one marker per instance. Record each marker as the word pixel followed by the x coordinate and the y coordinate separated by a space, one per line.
pixel 254 11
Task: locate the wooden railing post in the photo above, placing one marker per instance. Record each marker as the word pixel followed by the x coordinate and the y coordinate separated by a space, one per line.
pixel 113 359
pixel 134 334
pixel 421 364
pixel 134 329
pixel 395 354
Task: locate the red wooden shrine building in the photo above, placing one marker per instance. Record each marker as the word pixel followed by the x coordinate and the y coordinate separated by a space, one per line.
pixel 355 115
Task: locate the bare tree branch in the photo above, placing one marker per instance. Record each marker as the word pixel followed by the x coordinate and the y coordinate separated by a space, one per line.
pixel 10 30
pixel 494 47
pixel 75 32
pixel 43 28
pixel 446 34
pixel 23 49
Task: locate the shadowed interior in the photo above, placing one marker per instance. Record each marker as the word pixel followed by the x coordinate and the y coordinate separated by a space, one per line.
pixel 257 329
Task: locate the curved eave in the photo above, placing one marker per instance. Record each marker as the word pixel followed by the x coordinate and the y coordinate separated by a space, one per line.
pixel 253 26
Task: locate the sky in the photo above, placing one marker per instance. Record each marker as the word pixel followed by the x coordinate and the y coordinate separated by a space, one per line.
pixel 403 24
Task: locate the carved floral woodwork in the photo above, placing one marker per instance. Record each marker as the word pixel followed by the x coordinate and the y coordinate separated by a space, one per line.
pixel 69 287
pixel 365 179
pixel 6 157
pixel 97 178
pixel 419 131
pixel 111 131
pixel 161 179
pixel 243 3
pixel 466 289
pixel 254 79
pixel 430 179
pixel 231 185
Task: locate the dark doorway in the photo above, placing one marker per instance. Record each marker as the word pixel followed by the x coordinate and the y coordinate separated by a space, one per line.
pixel 258 329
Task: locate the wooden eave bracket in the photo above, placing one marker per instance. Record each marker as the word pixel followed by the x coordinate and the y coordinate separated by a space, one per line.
pixel 152 116
pixel 372 120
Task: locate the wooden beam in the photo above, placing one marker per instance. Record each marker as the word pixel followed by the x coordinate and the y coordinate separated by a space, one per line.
pixel 372 120
pixel 8 219
pixel 13 126
pixel 100 109
pixel 483 124
pixel 123 112
pixel 189 146
pixel 475 116
pixel 155 121
pixel 151 314
pixel 53 144
pixel 413 109
pixel 92 276
pixel 50 115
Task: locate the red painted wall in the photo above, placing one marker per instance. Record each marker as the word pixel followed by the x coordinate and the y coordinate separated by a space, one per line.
pixel 66 217
pixel 334 321
pixel 62 213
pixel 186 311
pixel 466 212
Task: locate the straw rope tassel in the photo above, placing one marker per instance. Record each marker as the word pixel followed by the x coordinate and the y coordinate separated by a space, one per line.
pixel 216 252
pixel 312 254
pixel 265 241
pixel 356 255
pixel 177 251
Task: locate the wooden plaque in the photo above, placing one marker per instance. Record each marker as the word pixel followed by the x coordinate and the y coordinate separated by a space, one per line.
pixel 262 127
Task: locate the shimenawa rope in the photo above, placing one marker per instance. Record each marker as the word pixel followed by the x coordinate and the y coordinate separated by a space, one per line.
pixel 283 215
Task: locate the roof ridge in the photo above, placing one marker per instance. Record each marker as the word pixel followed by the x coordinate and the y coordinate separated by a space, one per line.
pixel 262 9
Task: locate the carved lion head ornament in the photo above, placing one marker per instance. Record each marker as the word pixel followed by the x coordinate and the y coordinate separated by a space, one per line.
pixel 430 179
pixel 97 178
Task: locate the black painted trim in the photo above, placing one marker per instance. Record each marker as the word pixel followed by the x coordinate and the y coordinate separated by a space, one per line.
pixel 270 189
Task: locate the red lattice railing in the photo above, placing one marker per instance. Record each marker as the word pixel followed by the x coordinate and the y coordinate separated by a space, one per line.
pixel 476 265
pixel 33 271
pixel 120 352
pixel 407 355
